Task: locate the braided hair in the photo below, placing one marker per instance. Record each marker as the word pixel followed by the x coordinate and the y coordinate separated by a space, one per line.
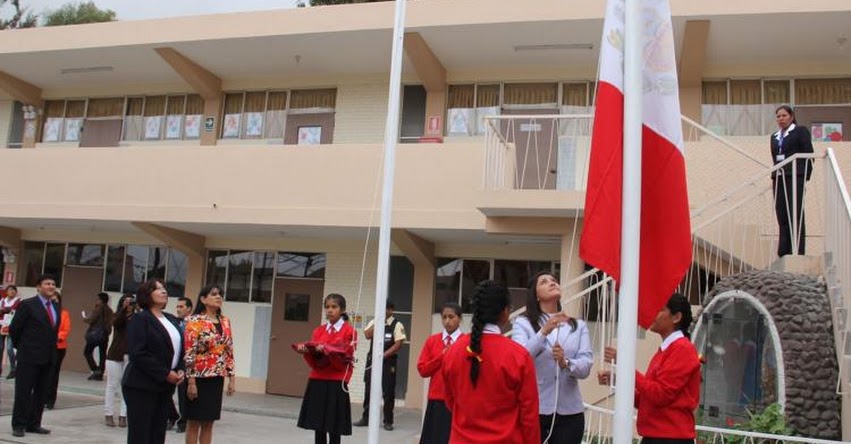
pixel 490 299
pixel 533 306
pixel 680 304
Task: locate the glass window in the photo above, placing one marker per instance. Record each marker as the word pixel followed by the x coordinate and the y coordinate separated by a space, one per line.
pixel 239 276
pixel 263 276
pixel 310 265
pixel 516 275
pixel 178 264
pixel 135 264
pixel 447 282
pixel 474 272
pixel 217 266
pixel 114 268
pixel 87 255
pixel 54 261
pixel 156 263
pixel 33 258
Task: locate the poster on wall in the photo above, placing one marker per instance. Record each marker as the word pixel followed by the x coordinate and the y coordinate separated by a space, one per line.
pixel 153 127
pixel 72 129
pixel 52 129
pixel 309 135
pixel 253 124
pixel 231 126
pixel 460 121
pixel 172 126
pixel 192 126
pixel 827 132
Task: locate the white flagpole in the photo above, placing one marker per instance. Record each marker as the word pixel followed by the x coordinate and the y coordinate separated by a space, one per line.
pixel 391 136
pixel 630 225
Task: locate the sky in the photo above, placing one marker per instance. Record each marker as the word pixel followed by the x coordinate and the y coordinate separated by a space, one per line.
pixel 147 9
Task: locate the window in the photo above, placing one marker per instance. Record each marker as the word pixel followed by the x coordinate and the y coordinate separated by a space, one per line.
pixel 263 276
pixel 742 107
pixel 301 265
pixel 250 275
pixel 457 278
pixel 114 273
pixel 16 126
pixel 43 258
pixel 63 120
pixel 178 265
pixel 85 255
pixel 135 266
pixel 238 287
pixel 265 114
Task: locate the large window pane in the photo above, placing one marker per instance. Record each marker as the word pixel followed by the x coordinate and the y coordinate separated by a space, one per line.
pixel 310 265
pixel 474 272
pixel 239 276
pixel 87 255
pixel 263 276
pixel 447 282
pixel 114 268
pixel 516 275
pixel 33 258
pixel 217 267
pixel 134 267
pixel 54 260
pixel 178 264
pixel 157 263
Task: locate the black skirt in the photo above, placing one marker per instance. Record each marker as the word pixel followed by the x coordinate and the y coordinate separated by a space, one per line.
pixel 326 408
pixel 437 423
pixel 208 405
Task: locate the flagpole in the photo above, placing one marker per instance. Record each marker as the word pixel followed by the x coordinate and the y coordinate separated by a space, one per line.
pixel 391 136
pixel 630 225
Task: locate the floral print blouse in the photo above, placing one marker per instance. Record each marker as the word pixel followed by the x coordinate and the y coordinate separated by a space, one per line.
pixel 209 351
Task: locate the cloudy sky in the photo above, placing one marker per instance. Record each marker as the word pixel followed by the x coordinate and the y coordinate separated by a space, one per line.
pixel 145 9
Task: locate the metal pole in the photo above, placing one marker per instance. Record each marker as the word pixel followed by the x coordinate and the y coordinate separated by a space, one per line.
pixel 630 225
pixel 391 136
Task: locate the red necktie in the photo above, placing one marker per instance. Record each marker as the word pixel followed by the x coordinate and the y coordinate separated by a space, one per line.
pixel 50 314
pixel 447 342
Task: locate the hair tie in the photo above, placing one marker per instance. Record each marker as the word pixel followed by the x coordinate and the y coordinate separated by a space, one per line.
pixel 478 356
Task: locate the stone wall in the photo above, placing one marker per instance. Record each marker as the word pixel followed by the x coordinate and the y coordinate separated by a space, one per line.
pixel 800 309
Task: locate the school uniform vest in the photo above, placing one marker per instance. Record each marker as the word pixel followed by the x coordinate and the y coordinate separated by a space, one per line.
pixel 388 342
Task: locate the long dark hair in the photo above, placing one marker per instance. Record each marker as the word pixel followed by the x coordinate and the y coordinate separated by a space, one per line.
pixel 533 306
pixel 200 307
pixel 341 301
pixel 489 301
pixel 680 304
pixel 789 110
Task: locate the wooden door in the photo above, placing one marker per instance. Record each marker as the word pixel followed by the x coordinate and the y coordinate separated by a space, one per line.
pixel 536 145
pixel 297 122
pixel 79 289
pixel 296 311
pixel 101 133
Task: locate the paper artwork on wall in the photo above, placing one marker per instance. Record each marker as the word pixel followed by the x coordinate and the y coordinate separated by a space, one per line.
pixel 192 126
pixel 52 129
pixel 460 121
pixel 827 132
pixel 483 112
pixel 72 129
pixel 231 126
pixel 309 135
pixel 173 126
pixel 254 124
pixel 153 127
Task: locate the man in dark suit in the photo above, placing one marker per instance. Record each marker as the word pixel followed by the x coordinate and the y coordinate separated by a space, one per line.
pixel 34 331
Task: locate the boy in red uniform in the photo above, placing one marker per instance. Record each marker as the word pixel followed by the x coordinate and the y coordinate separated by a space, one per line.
pixel 326 407
pixel 491 388
pixel 438 420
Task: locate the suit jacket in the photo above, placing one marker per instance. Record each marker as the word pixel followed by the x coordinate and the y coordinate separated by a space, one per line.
pixel 32 333
pixel 151 352
pixel 797 140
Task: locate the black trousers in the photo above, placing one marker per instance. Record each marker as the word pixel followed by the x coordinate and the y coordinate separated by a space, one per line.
pixel 325 438
pixel 388 390
pixel 181 403
pixel 147 414
pixel 784 193
pixel 89 351
pixel 50 397
pixel 568 429
pixel 31 385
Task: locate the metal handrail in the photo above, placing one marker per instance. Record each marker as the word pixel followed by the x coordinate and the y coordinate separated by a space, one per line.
pixel 718 138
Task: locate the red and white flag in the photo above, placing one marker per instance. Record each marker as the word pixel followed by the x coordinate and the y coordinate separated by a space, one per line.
pixel 665 229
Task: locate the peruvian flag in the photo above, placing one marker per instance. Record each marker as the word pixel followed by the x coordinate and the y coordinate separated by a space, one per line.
pixel 665 229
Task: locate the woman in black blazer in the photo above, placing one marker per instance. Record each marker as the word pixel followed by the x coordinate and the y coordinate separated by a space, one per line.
pixel 789 140
pixel 155 349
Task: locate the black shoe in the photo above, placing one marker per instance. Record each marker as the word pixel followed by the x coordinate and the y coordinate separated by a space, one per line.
pixel 388 427
pixel 39 430
pixel 181 428
pixel 18 431
pixel 11 375
pixel 97 377
pixel 49 406
pixel 362 423
pixel 91 377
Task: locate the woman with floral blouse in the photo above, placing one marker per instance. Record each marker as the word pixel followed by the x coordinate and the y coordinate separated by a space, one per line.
pixel 208 343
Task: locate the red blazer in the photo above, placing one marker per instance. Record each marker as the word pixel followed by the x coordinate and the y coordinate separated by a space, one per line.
pixel 668 394
pixel 332 369
pixel 430 365
pixel 64 330
pixel 503 407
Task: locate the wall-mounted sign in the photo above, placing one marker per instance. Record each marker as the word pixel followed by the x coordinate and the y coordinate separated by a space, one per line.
pixel 209 124
pixel 434 125
pixel 9 277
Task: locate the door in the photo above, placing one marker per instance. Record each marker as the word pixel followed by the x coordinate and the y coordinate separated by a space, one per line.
pixel 413 113
pixel 79 289
pixel 101 133
pixel 296 311
pixel 309 129
pixel 536 145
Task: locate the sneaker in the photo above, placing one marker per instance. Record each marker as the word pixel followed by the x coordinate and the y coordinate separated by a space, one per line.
pixel 362 423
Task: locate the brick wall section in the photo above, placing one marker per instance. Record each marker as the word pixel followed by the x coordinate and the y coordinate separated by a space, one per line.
pixel 361 113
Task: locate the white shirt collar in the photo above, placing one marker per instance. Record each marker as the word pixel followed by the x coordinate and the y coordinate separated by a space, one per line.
pixel 677 334
pixel 455 334
pixel 492 329
pixel 336 326
pixel 788 130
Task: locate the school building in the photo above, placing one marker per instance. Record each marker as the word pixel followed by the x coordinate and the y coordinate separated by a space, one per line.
pixel 245 149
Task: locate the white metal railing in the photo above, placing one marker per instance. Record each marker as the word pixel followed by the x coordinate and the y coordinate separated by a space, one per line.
pixel 598 426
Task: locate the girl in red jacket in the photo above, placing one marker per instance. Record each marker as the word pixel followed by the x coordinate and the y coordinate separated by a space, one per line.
pixel 668 393
pixel 491 388
pixel 438 420
pixel 326 407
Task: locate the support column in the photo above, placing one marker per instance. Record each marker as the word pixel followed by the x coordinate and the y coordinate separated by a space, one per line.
pixel 421 253
pixel 190 244
pixel 433 75
pixel 212 110
pixel 30 96
pixel 692 60
pixel 10 241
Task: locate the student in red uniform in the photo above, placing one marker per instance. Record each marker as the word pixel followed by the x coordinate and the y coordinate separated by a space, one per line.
pixel 491 388
pixel 438 420
pixel 326 407
pixel 667 394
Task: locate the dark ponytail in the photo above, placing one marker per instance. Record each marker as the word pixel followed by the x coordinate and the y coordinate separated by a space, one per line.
pixel 533 306
pixel 489 301
pixel 341 301
pixel 680 304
